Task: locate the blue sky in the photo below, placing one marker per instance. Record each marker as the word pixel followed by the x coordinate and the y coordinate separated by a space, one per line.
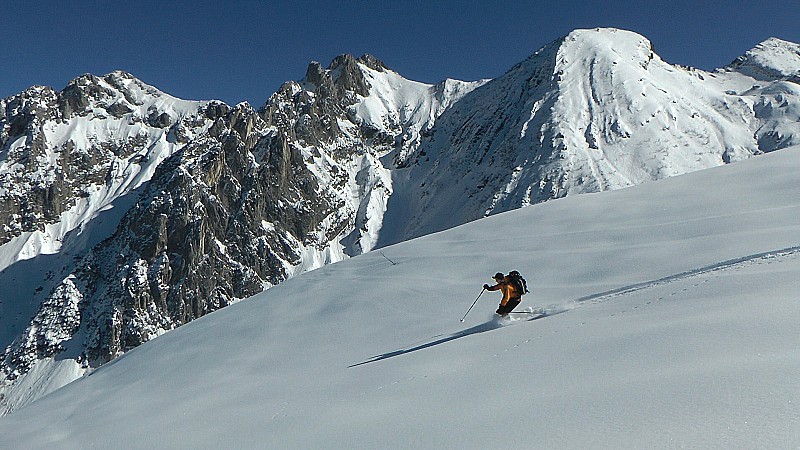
pixel 243 50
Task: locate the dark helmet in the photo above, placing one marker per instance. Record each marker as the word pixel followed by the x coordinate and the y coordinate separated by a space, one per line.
pixel 498 276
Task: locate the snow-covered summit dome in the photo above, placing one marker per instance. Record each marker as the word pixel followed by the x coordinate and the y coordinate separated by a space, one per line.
pixel 770 60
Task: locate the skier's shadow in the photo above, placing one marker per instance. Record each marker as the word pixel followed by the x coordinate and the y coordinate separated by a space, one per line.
pixel 477 329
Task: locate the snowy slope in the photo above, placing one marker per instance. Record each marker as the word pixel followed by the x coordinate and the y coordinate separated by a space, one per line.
pixel 596 110
pixel 406 108
pixel 671 322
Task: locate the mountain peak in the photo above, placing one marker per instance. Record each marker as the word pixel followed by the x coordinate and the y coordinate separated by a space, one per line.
pixel 345 60
pixel 344 73
pixel 611 42
pixel 770 60
pixel 372 62
pixel 582 48
pixel 350 61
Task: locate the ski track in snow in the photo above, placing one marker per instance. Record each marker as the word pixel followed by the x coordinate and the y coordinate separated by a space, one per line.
pixel 731 263
pixel 593 299
pixel 552 310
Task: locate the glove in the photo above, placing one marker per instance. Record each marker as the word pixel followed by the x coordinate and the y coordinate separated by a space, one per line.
pixel 498 311
pixel 486 286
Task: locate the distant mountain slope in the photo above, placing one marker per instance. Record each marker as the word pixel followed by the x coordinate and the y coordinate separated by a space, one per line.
pixel 594 111
pixel 65 156
pixel 771 60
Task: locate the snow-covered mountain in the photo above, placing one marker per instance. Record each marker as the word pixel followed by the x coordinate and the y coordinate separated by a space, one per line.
pixel 70 164
pixel 594 111
pixel 773 59
pixel 251 199
pixel 65 156
pixel 128 212
pixel 670 321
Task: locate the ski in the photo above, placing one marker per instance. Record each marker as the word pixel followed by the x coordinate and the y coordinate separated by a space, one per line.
pixel 534 312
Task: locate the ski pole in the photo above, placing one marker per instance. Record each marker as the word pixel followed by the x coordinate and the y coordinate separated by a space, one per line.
pixel 473 304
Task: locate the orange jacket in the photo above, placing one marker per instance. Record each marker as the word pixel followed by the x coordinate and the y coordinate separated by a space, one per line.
pixel 510 291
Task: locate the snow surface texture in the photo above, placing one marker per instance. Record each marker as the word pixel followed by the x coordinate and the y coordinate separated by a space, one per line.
pixel 670 321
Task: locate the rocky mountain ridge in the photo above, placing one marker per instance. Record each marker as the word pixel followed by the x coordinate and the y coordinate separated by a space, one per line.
pixel 252 198
pixel 96 140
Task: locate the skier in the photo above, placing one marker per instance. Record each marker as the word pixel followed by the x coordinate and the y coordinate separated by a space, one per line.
pixel 512 293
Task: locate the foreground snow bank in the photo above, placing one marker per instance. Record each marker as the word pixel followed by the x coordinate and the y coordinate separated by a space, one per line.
pixel 670 320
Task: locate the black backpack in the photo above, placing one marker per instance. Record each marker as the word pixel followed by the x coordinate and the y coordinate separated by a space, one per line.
pixel 520 282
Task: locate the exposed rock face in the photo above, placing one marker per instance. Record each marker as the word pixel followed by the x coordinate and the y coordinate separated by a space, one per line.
pixel 58 147
pixel 65 156
pixel 29 196
pixel 221 219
